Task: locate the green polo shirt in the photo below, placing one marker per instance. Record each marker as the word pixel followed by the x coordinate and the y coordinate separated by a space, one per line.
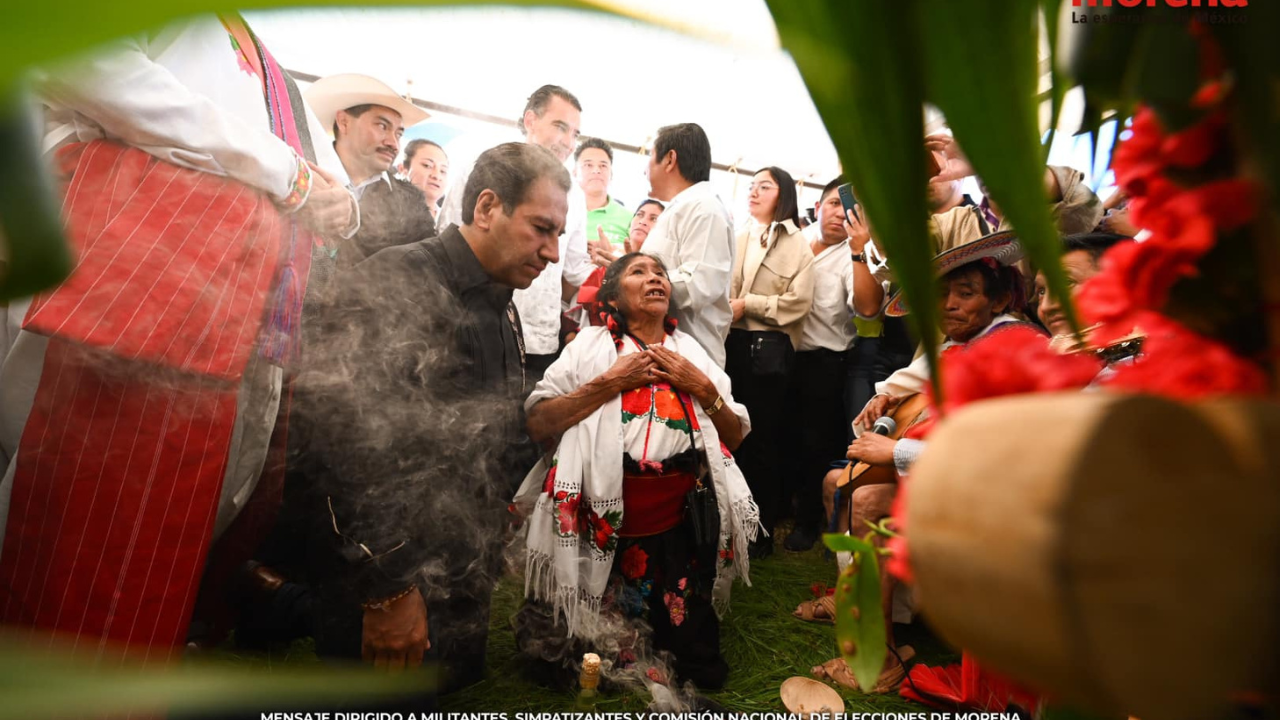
pixel 614 218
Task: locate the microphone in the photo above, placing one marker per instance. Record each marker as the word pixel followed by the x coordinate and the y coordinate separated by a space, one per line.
pixel 884 426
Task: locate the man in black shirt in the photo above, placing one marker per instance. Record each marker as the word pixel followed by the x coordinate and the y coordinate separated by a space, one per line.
pixel 368 120
pixel 413 407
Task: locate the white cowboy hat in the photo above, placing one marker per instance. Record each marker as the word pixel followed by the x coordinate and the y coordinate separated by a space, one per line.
pixel 330 94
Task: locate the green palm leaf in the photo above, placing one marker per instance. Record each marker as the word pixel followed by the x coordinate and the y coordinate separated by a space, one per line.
pixel 861 63
pixel 982 75
pixel 61 684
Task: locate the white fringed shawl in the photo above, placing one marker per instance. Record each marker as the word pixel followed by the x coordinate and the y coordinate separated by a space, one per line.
pixel 568 569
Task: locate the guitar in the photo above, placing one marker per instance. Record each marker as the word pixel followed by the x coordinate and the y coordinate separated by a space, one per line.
pixel 911 411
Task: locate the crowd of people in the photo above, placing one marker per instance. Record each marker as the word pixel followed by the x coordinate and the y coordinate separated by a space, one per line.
pixel 310 381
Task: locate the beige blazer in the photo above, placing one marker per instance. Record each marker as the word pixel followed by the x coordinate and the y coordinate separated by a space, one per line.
pixel 779 288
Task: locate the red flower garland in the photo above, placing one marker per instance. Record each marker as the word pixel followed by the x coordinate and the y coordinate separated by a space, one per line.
pixel 1184 224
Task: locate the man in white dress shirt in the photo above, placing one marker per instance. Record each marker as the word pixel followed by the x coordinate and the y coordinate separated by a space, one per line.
pixel 551 119
pixel 694 235
pixel 842 288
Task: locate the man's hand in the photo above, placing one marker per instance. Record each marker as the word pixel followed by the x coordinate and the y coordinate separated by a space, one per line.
pixel 395 637
pixel 856 229
pixel 330 209
pixel 603 257
pixel 876 408
pixel 602 250
pixel 739 308
pixel 954 165
pixel 1118 221
pixel 872 449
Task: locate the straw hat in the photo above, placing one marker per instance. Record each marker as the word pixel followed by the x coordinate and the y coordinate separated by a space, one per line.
pixel 330 94
pixel 803 696
pixel 1003 247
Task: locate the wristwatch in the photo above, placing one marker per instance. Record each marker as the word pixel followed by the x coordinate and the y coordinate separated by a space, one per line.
pixel 859 257
pixel 715 406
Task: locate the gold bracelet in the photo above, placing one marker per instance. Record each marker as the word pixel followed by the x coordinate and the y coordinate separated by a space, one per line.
pixel 387 602
pixel 715 406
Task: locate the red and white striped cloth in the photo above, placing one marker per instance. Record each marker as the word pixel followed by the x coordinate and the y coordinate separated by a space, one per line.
pixel 121 462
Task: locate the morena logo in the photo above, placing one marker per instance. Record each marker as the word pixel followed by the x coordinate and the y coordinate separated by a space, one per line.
pixel 1158 3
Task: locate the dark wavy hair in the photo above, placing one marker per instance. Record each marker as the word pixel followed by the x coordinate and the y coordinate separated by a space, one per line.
pixel 611 290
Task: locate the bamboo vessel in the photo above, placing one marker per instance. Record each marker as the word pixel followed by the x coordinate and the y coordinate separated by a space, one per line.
pixel 1118 551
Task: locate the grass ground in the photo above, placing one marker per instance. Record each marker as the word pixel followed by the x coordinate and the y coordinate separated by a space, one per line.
pixel 763 644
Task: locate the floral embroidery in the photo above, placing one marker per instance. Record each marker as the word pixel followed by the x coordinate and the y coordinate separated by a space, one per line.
pixel 675 607
pixel 659 403
pixel 630 601
pixel 601 531
pixel 683 582
pixel 726 557
pixel 646 588
pixel 549 485
pixel 634 562
pixel 567 511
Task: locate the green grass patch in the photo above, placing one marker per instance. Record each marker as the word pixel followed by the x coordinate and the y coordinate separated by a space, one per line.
pixel 763 644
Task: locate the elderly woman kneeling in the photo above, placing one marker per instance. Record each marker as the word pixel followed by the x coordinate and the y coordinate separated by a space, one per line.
pixel 640 510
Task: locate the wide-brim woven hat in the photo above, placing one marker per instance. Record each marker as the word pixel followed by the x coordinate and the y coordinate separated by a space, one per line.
pixel 330 94
pixel 1003 247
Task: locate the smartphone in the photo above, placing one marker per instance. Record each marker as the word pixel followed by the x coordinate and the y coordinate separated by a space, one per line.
pixel 847 199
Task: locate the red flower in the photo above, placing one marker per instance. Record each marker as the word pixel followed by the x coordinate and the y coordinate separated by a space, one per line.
pixel 1138 275
pixel 567 511
pixel 1194 146
pixel 1147 149
pixel 634 562
pixel 1229 204
pixel 1010 362
pixel 638 401
pixel 602 529
pixel 726 557
pixel 549 484
pixel 1137 157
pixel 1104 298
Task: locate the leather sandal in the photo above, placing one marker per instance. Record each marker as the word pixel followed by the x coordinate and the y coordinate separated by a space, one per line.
pixel 821 609
pixel 838 671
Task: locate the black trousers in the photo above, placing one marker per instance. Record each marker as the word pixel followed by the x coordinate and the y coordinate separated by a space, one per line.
pixel 817 432
pixel 765 396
